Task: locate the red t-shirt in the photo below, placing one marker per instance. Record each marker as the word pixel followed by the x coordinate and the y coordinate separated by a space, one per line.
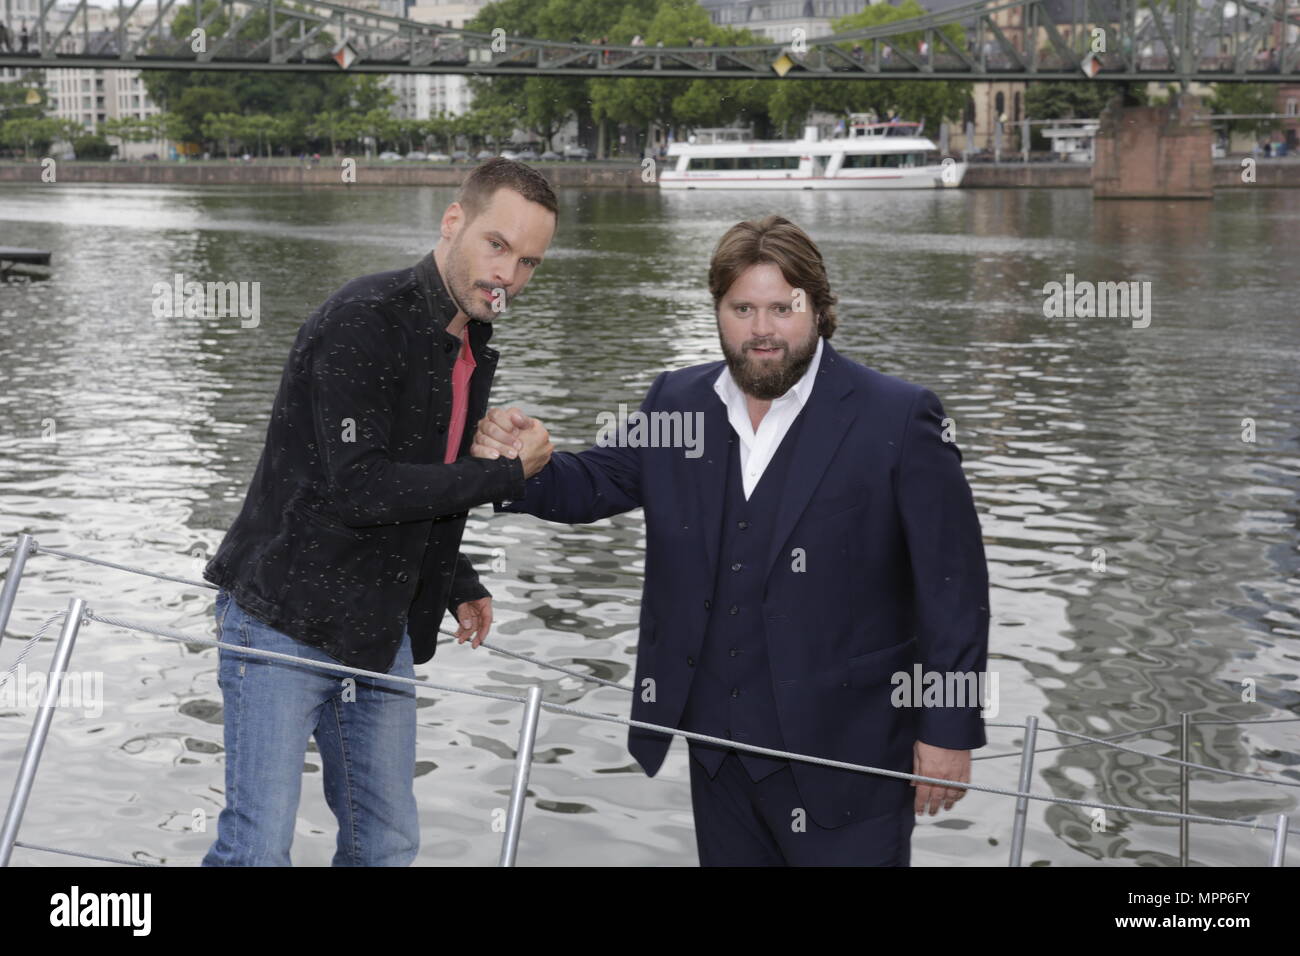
pixel 460 376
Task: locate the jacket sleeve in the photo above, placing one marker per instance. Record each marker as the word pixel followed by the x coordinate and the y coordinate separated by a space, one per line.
pixel 465 585
pixel 949 573
pixel 356 376
pixel 587 486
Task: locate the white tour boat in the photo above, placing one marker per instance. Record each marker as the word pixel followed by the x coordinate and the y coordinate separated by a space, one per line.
pixel 873 155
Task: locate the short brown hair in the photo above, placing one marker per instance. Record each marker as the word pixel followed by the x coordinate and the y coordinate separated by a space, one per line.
pixel 776 240
pixel 482 183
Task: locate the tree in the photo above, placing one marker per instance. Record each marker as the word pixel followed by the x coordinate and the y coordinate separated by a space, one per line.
pixel 927 100
pixel 128 129
pixel 196 104
pixel 1239 98
pixel 32 133
pixel 299 97
pixel 92 147
pixel 329 125
pixel 222 126
pixel 641 102
pixel 1076 100
pixel 16 96
pixel 260 128
pixel 441 128
pixel 543 104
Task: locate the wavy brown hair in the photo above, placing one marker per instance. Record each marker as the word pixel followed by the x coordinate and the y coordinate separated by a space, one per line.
pixel 777 240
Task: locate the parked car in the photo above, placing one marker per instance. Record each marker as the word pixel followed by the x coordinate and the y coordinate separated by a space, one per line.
pixel 438 158
pixel 417 154
pixel 576 152
pixel 528 155
pixel 460 156
pixel 388 155
pixel 483 154
pixel 509 154
pixel 551 156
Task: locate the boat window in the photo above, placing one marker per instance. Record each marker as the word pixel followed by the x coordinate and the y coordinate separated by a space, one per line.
pixel 743 162
pixel 712 162
pixel 887 160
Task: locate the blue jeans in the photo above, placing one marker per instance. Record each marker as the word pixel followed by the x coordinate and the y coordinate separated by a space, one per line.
pixel 365 735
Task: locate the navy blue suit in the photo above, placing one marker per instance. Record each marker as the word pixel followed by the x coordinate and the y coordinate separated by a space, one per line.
pixel 873 560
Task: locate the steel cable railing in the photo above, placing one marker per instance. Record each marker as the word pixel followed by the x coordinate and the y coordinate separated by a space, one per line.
pixel 77 614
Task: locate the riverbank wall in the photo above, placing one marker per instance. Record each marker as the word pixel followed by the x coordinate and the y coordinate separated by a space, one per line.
pixel 1227 174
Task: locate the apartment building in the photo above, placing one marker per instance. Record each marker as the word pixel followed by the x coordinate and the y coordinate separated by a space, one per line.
pixel 421 95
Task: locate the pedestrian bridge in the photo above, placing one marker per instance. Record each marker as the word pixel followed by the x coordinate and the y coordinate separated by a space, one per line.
pixel 1140 40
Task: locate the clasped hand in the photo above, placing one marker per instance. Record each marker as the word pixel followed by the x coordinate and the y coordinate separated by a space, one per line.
pixel 509 432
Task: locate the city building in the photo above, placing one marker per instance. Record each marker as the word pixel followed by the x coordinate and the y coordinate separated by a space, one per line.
pixel 422 95
pixel 91 97
pixel 778 19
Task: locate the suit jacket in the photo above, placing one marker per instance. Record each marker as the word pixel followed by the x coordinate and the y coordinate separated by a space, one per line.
pixel 877 563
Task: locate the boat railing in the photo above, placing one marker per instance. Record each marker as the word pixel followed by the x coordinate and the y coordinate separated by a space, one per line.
pixel 78 614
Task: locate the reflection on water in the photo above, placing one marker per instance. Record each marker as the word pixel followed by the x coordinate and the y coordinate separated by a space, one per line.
pixel 1143 556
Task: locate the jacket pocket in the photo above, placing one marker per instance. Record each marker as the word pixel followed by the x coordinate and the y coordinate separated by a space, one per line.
pixel 878 667
pixel 821 509
pixel 323 572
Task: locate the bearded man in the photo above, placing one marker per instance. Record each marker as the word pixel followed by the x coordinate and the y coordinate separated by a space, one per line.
pixel 822 542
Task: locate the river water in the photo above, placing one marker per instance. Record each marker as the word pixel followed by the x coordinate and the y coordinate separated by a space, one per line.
pixel 1142 548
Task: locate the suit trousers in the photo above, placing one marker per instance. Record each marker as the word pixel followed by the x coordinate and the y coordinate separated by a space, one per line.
pixel 742 823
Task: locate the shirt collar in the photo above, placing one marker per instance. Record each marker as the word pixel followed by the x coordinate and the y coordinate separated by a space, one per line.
pixel 731 394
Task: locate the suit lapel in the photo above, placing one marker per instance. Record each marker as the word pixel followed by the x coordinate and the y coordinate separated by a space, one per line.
pixel 827 418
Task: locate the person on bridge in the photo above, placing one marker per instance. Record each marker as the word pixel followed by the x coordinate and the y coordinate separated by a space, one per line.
pixel 812 549
pixel 347 547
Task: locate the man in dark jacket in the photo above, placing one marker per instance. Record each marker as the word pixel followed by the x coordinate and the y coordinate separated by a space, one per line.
pixel 347 546
pixel 810 548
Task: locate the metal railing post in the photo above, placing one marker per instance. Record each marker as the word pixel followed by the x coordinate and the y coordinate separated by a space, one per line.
pixel 1278 856
pixel 523 764
pixel 1022 803
pixel 10 591
pixel 40 729
pixel 1184 786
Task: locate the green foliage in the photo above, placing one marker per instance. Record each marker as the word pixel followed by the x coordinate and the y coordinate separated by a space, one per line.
pixel 14 95
pixel 290 99
pixel 92 147
pixel 35 134
pixel 928 100
pixel 1078 100
pixel 1242 98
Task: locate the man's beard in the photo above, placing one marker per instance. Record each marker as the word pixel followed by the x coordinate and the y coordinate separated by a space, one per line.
pixel 465 291
pixel 767 379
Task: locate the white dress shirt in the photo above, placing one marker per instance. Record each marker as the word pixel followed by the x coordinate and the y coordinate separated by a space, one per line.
pixel 757 448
